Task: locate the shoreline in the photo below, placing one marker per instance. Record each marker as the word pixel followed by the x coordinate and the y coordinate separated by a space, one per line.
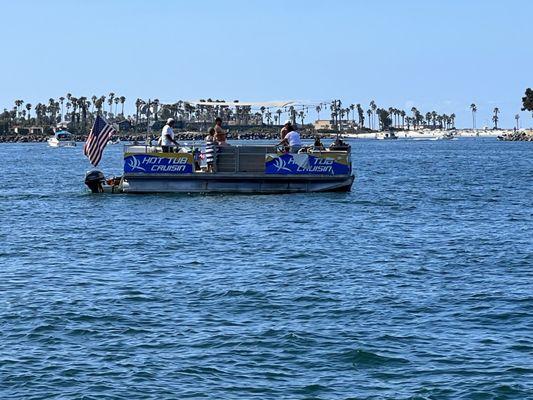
pixel 438 133
pixel 189 135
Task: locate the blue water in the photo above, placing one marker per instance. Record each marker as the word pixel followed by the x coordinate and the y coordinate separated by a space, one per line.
pixel 416 285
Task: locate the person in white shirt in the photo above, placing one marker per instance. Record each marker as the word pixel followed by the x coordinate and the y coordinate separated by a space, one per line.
pixel 292 139
pixel 167 137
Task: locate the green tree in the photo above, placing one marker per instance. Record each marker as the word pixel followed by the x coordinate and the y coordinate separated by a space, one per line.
pixel 527 101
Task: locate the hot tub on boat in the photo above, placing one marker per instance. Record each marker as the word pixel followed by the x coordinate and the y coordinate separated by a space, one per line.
pixel 238 169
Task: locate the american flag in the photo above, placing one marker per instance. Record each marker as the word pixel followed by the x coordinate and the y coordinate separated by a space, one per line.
pixel 100 134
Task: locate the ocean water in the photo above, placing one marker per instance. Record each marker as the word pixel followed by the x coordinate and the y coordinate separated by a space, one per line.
pixel 415 285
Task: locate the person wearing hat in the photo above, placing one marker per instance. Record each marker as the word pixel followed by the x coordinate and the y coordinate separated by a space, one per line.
pixel 285 129
pixel 167 137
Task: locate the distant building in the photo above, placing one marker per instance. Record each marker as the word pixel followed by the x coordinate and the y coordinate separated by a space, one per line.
pixel 329 125
pixel 326 124
pixel 32 130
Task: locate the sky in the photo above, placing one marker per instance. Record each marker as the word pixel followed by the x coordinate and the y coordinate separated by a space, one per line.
pixel 434 55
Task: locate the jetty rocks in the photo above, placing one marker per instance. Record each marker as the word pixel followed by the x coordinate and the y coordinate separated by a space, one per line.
pixel 517 136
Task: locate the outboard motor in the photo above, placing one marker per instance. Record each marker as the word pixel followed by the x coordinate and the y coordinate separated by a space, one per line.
pixel 94 180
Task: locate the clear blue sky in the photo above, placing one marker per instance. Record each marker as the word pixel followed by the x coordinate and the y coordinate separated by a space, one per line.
pixel 435 55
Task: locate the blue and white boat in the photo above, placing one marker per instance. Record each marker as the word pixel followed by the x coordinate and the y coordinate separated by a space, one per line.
pixel 237 169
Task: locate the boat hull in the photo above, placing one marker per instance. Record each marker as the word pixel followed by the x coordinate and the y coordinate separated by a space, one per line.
pixel 234 183
pixel 53 142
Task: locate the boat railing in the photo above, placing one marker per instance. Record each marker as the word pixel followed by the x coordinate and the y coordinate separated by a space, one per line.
pixel 229 159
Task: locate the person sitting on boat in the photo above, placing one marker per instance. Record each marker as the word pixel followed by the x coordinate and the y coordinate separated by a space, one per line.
pixel 318 144
pixel 220 134
pixel 167 137
pixel 285 129
pixel 292 139
pixel 210 149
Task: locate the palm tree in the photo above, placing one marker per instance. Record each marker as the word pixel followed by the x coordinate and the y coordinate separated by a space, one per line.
pixel 155 104
pixel 361 115
pixel 279 111
pixel 391 113
pixel 452 119
pixel 68 105
pixel 138 104
pixel 373 107
pixel 474 110
pixel 428 118
pixel 28 107
pixel 99 103
pixel 369 113
pixel 53 107
pixel 61 100
pixel 495 117
pixel 269 117
pixel 517 117
pixel 84 104
pixel 122 100
pixel 301 114
pixel 75 104
pixel 415 116
pixel 18 103
pixel 318 109
pixel 110 101
pixel 116 100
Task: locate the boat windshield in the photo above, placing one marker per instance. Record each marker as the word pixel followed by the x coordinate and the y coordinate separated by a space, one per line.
pixel 63 135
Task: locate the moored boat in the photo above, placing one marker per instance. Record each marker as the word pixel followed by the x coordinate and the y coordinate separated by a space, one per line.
pixel 386 135
pixel 258 169
pixel 61 138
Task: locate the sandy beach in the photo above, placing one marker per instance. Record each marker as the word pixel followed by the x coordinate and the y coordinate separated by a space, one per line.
pixel 432 134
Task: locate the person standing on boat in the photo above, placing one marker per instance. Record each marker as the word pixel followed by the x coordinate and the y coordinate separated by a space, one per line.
pixel 220 134
pixel 292 139
pixel 167 137
pixel 210 149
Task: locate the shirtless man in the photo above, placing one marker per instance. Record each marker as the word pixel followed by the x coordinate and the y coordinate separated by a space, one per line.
pixel 285 129
pixel 220 134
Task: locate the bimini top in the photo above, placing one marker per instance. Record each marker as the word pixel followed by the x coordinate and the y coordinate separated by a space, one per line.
pixel 278 104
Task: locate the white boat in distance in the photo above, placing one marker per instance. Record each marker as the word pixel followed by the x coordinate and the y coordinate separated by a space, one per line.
pixel 61 139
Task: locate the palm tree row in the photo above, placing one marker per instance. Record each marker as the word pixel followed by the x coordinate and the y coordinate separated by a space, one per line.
pixel 79 110
pixel 495 117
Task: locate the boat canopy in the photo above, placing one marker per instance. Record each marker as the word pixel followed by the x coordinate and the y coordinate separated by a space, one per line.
pixel 278 104
pixel 62 134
